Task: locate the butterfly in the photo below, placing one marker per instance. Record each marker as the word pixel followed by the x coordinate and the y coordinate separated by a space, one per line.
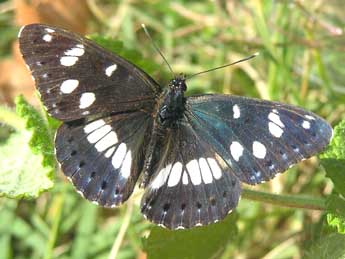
pixel 191 154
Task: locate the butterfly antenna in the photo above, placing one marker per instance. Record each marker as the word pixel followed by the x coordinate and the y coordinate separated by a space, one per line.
pixel 157 49
pixel 212 69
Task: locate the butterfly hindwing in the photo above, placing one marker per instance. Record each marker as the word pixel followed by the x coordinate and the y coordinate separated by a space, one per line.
pixel 191 186
pixel 103 157
pixel 257 138
pixel 77 78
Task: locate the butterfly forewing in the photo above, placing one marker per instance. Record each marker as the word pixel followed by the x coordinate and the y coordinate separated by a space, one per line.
pixel 106 103
pixel 257 138
pixel 191 186
pixel 77 78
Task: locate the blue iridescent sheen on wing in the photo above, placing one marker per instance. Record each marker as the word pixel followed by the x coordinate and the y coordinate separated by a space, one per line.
pixel 257 138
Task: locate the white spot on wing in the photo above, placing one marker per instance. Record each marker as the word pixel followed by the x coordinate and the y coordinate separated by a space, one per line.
pixel 175 174
pixel 276 119
pixel 259 150
pixel 236 150
pixel 236 111
pixel 68 86
pixel 216 171
pixel 49 30
pixel 77 52
pixel 68 61
pixel 119 155
pixel 306 124
pixel 94 125
pixel 194 172
pixel 205 171
pixel 185 177
pixel 309 117
pixel 161 178
pixel 275 130
pixel 109 152
pixel 126 166
pixel 109 140
pixel 47 38
pixel 86 100
pixel 257 174
pixel 98 134
pixel 110 70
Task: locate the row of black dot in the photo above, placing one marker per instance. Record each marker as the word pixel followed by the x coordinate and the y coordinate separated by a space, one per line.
pixel 93 173
pixel 166 206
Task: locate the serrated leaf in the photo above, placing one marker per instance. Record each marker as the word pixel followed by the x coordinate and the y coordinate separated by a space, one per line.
pixel 27 156
pixel 333 159
pixel 41 139
pixel 22 174
pixel 200 242
pixel 329 247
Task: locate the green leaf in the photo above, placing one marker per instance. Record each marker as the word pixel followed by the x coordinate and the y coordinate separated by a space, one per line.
pixel 333 159
pixel 331 246
pixel 336 221
pixel 41 140
pixel 200 242
pixel 336 215
pixel 27 156
pixel 336 204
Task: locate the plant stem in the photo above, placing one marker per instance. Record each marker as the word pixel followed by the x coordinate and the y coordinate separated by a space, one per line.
pixel 55 227
pixel 292 201
pixel 120 236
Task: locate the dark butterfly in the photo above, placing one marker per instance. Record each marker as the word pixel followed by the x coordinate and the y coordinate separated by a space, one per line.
pixel 191 153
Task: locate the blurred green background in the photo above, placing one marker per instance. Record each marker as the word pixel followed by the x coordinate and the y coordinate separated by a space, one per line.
pixel 301 62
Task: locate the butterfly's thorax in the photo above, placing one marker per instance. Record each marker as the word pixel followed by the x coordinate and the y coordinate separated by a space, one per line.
pixel 172 102
pixel 171 106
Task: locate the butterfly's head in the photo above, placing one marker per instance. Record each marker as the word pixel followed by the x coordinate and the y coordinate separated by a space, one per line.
pixel 178 83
